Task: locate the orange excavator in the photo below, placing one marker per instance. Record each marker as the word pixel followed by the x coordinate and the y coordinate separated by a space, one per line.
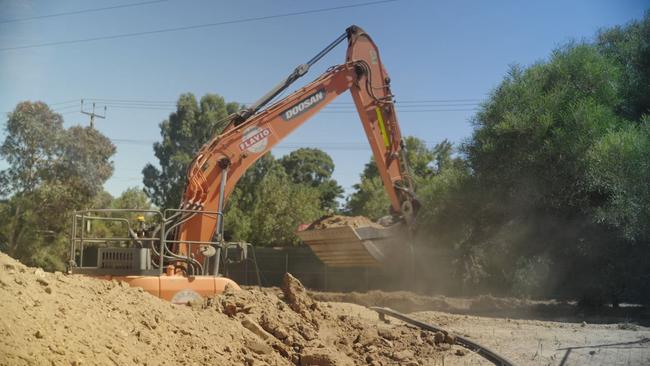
pixel 177 256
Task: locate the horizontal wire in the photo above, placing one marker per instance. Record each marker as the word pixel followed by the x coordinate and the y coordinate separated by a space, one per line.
pixel 196 26
pixel 74 12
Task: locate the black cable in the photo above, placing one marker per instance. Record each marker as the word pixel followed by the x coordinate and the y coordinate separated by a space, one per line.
pixel 473 346
pixel 80 11
pixel 197 26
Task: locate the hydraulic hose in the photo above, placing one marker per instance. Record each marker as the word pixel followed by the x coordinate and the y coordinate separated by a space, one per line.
pixel 472 346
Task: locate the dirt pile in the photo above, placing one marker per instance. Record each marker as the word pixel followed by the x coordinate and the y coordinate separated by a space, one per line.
pixel 52 318
pixel 486 305
pixel 58 319
pixel 403 301
pixel 307 332
pixel 340 221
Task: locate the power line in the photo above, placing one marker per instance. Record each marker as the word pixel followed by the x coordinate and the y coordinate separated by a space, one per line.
pixel 426 101
pixel 140 103
pixel 322 144
pixel 197 26
pixel 171 102
pixel 408 111
pixel 140 107
pixel 74 12
pixel 405 106
pixel 402 105
pixel 64 108
pixel 327 110
pixel 442 100
pixel 137 101
pixel 66 102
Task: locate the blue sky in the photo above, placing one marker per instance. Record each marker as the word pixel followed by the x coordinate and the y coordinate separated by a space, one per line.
pixel 433 50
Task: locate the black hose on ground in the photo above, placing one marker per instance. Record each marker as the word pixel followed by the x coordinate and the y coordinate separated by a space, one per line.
pixel 472 346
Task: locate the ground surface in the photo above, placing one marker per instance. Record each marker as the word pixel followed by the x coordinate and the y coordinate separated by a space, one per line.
pixel 532 342
pixel 57 319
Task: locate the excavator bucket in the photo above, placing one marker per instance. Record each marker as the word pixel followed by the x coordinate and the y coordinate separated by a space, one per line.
pixel 340 241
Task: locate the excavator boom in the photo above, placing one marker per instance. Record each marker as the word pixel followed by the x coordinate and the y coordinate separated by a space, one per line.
pixel 254 131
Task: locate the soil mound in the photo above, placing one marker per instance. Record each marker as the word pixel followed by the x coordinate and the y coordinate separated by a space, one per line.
pixel 340 221
pixel 58 319
pixel 306 332
pixel 403 301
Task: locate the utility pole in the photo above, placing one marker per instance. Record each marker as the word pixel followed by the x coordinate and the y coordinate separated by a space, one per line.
pixel 92 114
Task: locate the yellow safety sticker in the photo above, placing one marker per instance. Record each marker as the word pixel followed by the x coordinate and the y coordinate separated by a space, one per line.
pixel 382 128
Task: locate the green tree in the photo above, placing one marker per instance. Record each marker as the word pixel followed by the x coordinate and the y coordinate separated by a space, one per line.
pixel 548 115
pixel 52 171
pixel 267 206
pixel 313 167
pixel 280 207
pixel 190 127
pixel 132 198
pixel 629 47
pixel 529 154
pixel 558 163
pixel 242 201
pixel 370 198
pixel 619 169
pixel 294 178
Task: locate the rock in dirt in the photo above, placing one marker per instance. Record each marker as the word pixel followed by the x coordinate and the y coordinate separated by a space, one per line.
pixel 450 339
pixel 403 355
pixel 366 337
pixel 323 357
pixel 297 297
pixel 387 333
pixel 257 346
pixel 255 328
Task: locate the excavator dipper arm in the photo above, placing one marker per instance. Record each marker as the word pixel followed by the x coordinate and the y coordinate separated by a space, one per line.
pixel 254 131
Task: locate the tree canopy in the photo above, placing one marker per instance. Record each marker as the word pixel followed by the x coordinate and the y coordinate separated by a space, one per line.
pixel 314 168
pixel 549 197
pixel 270 200
pixel 52 171
pixel 183 134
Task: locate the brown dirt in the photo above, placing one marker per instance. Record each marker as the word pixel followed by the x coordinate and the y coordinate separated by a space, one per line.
pixel 534 342
pixel 58 319
pixel 486 305
pixel 340 221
